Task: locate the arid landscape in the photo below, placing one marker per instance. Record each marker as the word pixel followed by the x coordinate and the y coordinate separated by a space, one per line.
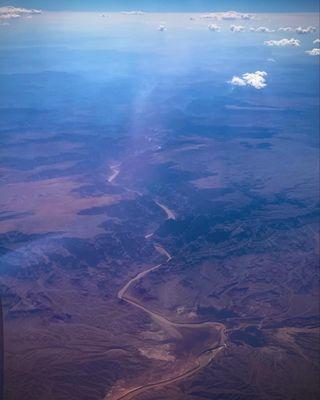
pixel 135 287
pixel 159 229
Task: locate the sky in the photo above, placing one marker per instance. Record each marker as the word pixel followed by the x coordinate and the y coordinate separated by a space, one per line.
pixel 72 71
pixel 170 5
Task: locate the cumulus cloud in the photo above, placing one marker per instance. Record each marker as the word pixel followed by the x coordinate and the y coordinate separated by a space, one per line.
pixel 313 52
pixel 254 79
pixel 236 81
pixel 285 29
pixel 9 16
pixel 283 42
pixel 229 15
pixel 162 28
pixel 262 29
pixel 317 41
pixel 309 29
pixel 134 12
pixel 214 28
pixel 271 60
pixel 10 12
pixel 234 15
pixel 237 28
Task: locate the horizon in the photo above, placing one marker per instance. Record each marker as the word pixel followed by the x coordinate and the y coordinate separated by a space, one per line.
pixel 169 6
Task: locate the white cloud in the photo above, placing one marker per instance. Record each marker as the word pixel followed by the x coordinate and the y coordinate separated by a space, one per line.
pixel 237 28
pixel 285 29
pixel 6 16
pixel 236 81
pixel 283 42
pixel 317 41
pixel 135 12
pixel 271 60
pixel 214 28
pixel 9 16
pixel 313 52
pixel 234 15
pixel 10 12
pixel 254 79
pixel 262 29
pixel 228 15
pixel 162 28
pixel 309 29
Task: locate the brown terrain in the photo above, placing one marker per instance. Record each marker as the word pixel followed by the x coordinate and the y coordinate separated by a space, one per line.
pixel 168 268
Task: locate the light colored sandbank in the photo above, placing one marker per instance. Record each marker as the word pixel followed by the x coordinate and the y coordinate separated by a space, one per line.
pixel 115 172
pixel 170 214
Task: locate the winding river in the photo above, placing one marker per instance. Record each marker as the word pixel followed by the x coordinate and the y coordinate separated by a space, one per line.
pixel 171 327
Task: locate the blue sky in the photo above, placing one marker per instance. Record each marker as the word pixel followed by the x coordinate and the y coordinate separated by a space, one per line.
pixel 170 5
